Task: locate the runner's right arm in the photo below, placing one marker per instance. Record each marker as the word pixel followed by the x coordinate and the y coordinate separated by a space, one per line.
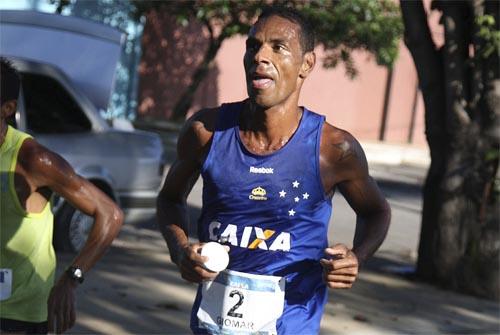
pixel 172 214
pixel 47 169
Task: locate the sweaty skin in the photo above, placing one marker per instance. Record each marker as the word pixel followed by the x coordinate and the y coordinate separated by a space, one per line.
pixel 276 68
pixel 39 173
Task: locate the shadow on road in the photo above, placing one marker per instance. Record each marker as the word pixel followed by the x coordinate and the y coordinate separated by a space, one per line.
pixel 382 303
pixel 136 289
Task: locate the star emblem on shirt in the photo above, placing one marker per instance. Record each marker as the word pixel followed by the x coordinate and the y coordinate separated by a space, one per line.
pixel 293 194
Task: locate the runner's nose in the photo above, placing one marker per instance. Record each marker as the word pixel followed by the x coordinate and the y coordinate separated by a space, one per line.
pixel 262 55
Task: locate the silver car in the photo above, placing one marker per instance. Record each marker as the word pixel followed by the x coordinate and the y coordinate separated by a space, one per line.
pixel 59 105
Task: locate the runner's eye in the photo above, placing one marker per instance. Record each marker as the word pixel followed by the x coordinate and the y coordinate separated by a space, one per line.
pixel 279 47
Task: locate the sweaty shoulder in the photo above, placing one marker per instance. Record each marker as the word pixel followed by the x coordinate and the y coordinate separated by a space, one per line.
pixel 341 156
pixel 196 134
pixel 41 165
pixel 34 156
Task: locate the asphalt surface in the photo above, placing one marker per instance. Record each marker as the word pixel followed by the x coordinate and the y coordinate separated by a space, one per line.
pixel 135 289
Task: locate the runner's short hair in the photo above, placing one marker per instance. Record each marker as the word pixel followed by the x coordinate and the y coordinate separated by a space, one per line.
pixel 10 81
pixel 293 15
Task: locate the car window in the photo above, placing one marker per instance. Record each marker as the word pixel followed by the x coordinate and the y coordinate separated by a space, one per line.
pixel 50 108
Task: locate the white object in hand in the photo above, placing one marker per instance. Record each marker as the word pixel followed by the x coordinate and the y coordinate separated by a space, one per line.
pixel 218 257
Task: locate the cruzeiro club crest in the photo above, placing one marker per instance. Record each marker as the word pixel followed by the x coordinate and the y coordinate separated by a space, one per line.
pixel 258 193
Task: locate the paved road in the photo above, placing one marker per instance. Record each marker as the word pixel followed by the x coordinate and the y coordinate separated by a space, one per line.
pixel 135 289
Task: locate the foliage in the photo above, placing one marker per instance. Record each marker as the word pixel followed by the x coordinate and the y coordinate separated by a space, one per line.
pixel 60 4
pixel 341 26
pixel 223 18
pixel 344 26
pixel 489 35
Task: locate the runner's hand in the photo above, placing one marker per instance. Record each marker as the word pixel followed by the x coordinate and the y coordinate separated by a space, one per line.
pixel 61 306
pixel 340 268
pixel 190 264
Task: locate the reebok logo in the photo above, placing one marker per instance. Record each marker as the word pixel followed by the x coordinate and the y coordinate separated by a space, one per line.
pixel 262 170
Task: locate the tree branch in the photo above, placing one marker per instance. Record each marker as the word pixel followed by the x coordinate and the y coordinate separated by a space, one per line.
pixel 491 79
pixel 207 24
pixel 417 37
pixel 455 55
pixel 476 78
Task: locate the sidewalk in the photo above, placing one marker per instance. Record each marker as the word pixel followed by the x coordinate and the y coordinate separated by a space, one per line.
pixel 401 163
pixel 392 154
pixel 135 289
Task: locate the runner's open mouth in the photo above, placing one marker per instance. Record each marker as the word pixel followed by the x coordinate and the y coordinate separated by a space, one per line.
pixel 260 81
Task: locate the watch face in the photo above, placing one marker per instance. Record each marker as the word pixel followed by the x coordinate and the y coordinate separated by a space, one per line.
pixel 75 273
pixel 78 273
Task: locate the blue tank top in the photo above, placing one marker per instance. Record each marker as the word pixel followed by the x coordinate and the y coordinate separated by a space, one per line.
pixel 273 212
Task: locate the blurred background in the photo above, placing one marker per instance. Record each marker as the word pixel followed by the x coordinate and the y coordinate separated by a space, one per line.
pixel 109 83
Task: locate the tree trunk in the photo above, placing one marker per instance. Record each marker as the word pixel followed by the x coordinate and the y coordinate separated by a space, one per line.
pixel 186 100
pixel 481 262
pixel 431 81
pixel 458 243
pixel 457 209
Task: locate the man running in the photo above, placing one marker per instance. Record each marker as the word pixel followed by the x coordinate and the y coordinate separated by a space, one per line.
pixel 270 169
pixel 29 175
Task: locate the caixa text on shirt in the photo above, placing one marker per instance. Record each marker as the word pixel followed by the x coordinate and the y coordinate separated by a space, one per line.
pixel 252 237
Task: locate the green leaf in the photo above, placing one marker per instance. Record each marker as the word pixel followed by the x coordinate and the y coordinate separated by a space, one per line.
pixel 492 154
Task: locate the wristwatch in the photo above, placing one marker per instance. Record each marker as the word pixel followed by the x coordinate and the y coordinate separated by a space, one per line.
pixel 75 273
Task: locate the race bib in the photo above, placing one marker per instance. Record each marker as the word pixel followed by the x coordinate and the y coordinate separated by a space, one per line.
pixel 5 284
pixel 237 302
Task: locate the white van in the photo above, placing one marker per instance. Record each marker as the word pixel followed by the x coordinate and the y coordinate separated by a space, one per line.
pixel 68 66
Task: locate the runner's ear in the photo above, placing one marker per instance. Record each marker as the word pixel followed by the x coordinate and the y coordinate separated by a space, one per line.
pixel 308 63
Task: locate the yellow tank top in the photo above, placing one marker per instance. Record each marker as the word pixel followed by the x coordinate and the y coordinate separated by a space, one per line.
pixel 27 258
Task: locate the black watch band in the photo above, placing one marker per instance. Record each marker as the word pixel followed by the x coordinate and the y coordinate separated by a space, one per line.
pixel 75 273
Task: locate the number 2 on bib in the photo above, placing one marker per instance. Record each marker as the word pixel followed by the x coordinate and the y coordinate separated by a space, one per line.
pixel 233 303
pixel 238 304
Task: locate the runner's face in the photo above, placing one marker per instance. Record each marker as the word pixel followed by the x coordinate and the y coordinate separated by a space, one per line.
pixel 272 61
pixel 6 110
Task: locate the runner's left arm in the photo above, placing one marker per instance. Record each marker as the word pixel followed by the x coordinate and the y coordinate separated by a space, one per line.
pixel 373 216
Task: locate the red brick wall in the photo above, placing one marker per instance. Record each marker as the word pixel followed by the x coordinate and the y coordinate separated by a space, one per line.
pixel 170 54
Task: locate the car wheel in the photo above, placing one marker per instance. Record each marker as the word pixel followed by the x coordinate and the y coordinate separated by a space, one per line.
pixel 71 229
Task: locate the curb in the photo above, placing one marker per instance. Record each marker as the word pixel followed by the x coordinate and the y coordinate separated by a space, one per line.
pixel 396 154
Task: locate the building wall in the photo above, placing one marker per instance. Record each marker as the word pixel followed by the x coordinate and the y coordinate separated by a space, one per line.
pixel 170 54
pixel 352 104
pixel 405 100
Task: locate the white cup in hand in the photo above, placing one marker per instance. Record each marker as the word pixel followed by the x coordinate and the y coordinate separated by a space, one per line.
pixel 218 257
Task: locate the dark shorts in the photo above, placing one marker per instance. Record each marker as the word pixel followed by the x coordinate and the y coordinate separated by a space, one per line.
pixel 16 326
